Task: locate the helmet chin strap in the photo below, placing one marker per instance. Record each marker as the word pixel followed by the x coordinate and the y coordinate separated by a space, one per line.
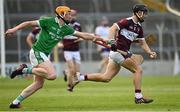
pixel 59 16
pixel 139 17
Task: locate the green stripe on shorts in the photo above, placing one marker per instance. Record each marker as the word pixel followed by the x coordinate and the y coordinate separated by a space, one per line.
pixel 38 57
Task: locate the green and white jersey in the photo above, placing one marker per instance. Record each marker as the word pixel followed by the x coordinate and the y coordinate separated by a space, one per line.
pixel 51 33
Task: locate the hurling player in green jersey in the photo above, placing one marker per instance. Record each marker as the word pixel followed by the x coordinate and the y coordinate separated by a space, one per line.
pixel 53 30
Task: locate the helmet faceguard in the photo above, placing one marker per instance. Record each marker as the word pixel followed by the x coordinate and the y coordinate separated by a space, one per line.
pixel 143 9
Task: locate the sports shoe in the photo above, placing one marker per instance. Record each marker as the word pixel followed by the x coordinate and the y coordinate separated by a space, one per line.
pixel 143 100
pixel 13 106
pixel 65 75
pixel 74 83
pixel 18 71
pixel 69 88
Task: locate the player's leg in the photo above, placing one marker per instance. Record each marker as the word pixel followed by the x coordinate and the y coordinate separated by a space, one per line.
pixel 71 73
pixel 113 67
pixel 28 91
pixel 111 70
pixel 133 66
pixel 38 82
pixel 69 57
pixel 138 58
pixel 77 65
pixel 104 62
pixel 77 61
pixel 45 70
pixel 65 72
pixel 44 67
pixel 136 69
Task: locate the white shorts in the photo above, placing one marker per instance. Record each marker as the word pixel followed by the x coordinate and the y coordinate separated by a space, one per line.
pixel 72 55
pixel 116 57
pixel 37 57
pixel 105 54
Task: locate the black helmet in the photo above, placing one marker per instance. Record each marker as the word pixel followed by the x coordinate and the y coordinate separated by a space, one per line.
pixel 140 7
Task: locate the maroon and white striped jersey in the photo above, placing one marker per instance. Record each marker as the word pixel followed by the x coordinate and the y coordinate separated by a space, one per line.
pixel 128 31
pixel 35 32
pixel 68 42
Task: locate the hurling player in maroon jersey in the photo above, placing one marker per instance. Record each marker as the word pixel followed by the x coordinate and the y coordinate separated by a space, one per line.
pixel 125 31
pixel 103 31
pixel 70 46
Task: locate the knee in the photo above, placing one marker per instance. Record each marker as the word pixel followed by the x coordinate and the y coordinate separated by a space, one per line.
pixel 138 70
pixel 141 59
pixel 51 77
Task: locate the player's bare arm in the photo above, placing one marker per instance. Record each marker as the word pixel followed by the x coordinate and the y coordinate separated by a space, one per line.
pixel 88 36
pixel 146 48
pixel 78 40
pixel 61 45
pixel 113 31
pixel 11 31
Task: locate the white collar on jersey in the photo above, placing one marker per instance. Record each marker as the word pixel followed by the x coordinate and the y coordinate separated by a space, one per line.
pixel 57 21
pixel 134 21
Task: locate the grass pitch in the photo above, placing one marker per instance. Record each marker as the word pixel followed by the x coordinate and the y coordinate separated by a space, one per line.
pixel 118 95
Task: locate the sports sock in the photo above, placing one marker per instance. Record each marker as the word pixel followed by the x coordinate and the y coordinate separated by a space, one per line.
pixel 19 99
pixel 138 93
pixel 85 77
pixel 81 78
pixel 27 70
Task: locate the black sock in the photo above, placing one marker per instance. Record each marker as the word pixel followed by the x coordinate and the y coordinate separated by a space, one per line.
pixel 85 77
pixel 137 91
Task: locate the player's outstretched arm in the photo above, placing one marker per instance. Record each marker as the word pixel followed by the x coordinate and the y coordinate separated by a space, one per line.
pixel 146 48
pixel 113 31
pixel 78 40
pixel 88 36
pixel 11 31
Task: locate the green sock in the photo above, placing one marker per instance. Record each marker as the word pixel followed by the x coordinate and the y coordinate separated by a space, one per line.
pixel 27 70
pixel 19 99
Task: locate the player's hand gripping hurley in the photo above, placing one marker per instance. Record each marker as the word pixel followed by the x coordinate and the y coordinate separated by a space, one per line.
pixel 112 47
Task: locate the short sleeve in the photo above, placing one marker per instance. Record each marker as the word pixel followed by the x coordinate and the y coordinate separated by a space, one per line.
pixel 122 23
pixel 43 22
